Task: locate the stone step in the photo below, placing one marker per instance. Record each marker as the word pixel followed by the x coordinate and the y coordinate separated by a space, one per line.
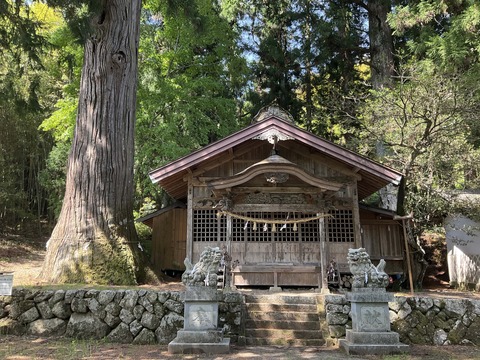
pixel 278 341
pixel 281 299
pixel 284 334
pixel 283 319
pixel 282 316
pixel 265 307
pixel 281 325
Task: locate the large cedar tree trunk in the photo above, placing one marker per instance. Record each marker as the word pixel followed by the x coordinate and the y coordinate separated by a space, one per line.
pixel 381 43
pixel 94 239
pixel 382 70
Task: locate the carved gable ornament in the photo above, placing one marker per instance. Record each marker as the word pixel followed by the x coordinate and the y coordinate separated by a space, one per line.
pixel 273 136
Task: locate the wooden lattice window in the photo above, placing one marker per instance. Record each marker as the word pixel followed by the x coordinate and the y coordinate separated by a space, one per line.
pixel 208 227
pixel 340 226
pixel 310 230
pixel 306 231
pixel 241 231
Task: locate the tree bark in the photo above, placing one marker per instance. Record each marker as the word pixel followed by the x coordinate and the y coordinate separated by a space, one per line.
pixel 381 43
pixel 94 240
pixel 382 69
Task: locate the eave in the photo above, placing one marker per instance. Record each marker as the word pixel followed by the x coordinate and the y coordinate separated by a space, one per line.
pixel 373 175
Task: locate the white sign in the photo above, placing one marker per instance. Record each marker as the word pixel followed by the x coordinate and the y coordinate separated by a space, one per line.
pixel 6 283
pixel 462 234
pixel 463 246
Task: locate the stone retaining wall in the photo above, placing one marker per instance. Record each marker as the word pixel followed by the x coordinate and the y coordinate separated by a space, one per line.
pixel 418 320
pixel 147 317
pixel 125 316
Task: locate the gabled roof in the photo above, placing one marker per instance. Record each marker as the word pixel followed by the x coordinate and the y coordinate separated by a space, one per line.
pixel 373 175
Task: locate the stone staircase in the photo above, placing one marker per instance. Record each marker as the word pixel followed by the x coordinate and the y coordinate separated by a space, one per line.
pixel 283 319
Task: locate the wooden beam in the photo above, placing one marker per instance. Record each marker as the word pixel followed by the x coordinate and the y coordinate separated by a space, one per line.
pixel 276 164
pixel 279 190
pixel 287 268
pixel 300 208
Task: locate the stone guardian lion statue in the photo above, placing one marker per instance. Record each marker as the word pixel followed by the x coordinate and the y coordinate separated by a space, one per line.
pixel 365 274
pixel 204 272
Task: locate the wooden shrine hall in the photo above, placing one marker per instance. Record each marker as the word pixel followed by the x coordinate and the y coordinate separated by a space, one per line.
pixel 283 202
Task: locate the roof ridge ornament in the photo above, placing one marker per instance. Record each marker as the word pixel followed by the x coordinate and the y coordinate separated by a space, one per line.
pixel 273 110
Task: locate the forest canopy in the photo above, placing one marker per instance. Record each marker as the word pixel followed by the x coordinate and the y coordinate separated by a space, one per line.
pixel 397 82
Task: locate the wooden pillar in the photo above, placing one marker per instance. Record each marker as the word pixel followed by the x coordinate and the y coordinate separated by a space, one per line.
pixel 229 234
pixel 356 216
pixel 189 244
pixel 323 253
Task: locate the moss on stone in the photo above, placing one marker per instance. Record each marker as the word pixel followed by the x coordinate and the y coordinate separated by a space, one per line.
pixel 473 331
pixel 457 334
pixel 104 262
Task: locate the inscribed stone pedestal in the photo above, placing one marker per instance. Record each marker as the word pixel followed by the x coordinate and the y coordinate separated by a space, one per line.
pixel 370 333
pixel 200 315
pixel 200 332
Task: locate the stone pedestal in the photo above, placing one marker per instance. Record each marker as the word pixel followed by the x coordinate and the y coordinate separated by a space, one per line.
pixel 370 333
pixel 200 332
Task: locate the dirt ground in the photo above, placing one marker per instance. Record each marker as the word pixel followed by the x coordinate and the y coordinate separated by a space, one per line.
pixel 21 348
pixel 24 258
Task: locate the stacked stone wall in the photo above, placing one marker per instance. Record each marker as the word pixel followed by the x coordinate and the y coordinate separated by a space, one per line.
pixel 418 320
pixel 124 316
pixel 151 317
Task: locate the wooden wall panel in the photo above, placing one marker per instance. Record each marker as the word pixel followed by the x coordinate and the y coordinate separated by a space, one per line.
pixel 383 239
pixel 259 252
pixel 371 240
pixel 256 279
pixel 287 252
pixel 310 252
pixel 237 251
pixel 169 240
pixel 298 279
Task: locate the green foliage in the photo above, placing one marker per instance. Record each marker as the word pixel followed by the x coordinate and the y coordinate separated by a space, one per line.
pixel 438 145
pixel 145 238
pixel 19 31
pixel 444 31
pixel 63 65
pixel 28 93
pixel 62 121
pixel 188 79
pixel 303 56
pixel 52 177
pixel 205 68
pixel 422 124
